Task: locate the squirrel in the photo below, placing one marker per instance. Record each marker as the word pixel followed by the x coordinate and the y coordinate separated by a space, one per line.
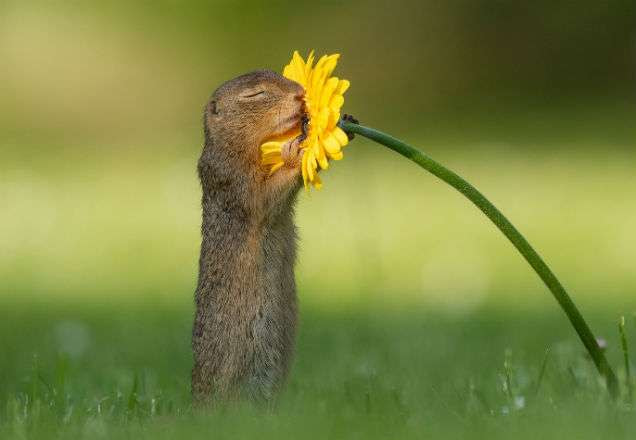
pixel 246 308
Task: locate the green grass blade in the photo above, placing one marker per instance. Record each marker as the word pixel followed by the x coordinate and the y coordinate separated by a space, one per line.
pixel 508 375
pixel 133 400
pixel 544 366
pixel 628 375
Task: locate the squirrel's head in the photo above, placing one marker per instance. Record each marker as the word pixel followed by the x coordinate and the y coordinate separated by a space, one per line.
pixel 253 107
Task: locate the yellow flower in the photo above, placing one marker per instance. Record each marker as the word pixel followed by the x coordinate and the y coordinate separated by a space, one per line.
pixel 323 100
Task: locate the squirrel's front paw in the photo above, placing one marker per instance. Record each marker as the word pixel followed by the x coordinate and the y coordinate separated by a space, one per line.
pixel 291 152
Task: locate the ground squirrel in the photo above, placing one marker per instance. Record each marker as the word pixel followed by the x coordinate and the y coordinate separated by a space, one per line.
pixel 245 323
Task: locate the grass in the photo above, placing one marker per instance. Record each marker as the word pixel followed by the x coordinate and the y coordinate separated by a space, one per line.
pixel 120 370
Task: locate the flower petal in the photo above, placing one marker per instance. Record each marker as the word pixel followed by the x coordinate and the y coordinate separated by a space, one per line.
pixel 303 167
pixel 334 117
pixel 311 165
pixel 336 103
pixel 343 86
pixel 331 144
pixel 341 136
pixel 275 167
pixel 271 159
pixel 335 156
pixel 327 91
pixel 272 146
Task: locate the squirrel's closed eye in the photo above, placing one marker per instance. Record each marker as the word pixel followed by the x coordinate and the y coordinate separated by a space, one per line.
pixel 253 94
pixel 212 107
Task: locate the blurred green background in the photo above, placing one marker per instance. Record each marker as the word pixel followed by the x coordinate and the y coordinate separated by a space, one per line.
pixel 100 116
pixel 100 108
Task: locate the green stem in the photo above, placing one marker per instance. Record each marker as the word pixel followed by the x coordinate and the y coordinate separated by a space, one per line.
pixel 504 225
pixel 628 375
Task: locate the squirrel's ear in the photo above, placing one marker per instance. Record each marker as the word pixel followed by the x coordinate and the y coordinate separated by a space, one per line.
pixel 212 107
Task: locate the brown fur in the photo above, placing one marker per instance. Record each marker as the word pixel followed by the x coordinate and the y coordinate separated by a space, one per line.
pixel 245 323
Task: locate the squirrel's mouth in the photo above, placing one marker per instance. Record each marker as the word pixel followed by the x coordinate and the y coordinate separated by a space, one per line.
pixel 292 120
pixel 294 131
pixel 294 124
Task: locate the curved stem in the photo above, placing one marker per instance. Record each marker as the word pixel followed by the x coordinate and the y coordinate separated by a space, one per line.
pixel 504 225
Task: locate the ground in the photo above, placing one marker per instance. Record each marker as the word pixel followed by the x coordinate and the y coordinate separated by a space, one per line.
pixel 120 369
